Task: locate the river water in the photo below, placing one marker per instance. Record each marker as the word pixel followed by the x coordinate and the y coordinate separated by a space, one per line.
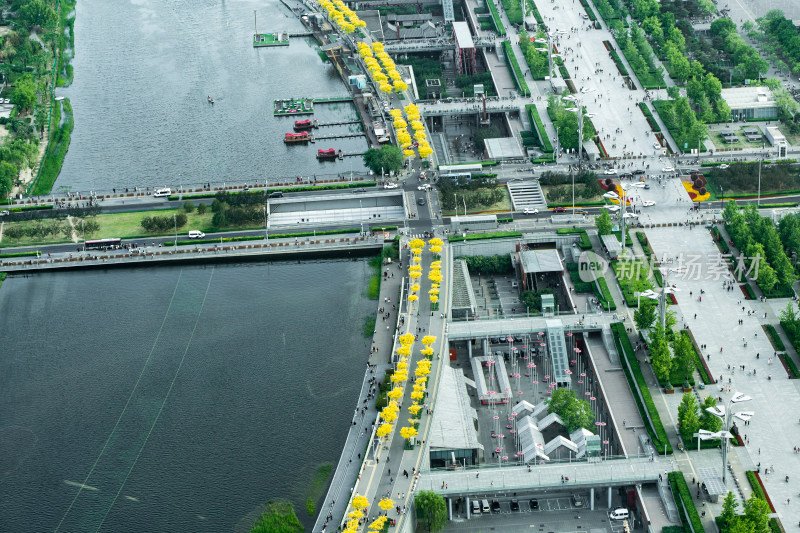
pixel 180 398
pixel 143 70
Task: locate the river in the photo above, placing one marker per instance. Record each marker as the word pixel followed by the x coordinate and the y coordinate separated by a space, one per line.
pixel 175 398
pixel 143 70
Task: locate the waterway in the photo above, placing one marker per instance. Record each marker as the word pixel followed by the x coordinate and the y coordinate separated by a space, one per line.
pixel 175 398
pixel 143 70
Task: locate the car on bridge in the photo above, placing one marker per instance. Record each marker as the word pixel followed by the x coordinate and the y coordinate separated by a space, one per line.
pixel 648 203
pixel 668 169
pixel 559 210
pixel 610 171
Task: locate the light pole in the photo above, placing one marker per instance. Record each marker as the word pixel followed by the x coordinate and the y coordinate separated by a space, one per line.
pixel 724 412
pixel 83 230
pixel 758 198
pixel 266 228
pixel 579 110
pixel 175 221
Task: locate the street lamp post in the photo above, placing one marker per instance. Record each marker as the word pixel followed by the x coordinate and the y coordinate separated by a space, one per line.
pixel 175 221
pixel 758 198
pixel 266 228
pixel 724 413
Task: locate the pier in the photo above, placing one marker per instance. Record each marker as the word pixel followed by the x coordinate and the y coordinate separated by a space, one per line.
pixel 345 123
pixel 336 136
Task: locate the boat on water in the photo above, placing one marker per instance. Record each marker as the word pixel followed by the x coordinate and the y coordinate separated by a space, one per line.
pixel 303 125
pixel 330 153
pixel 210 100
pixel 297 137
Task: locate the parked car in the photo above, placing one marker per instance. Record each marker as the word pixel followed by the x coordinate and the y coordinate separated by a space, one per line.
pixel 559 210
pixel 619 513
pixel 534 504
pixel 577 500
pixel 390 185
pixel 638 172
pixel 530 211
pixel 514 505
pixel 610 171
pixel 495 506
pixel 668 169
pixel 276 194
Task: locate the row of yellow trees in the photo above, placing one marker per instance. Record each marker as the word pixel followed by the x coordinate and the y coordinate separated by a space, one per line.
pixel 378 62
pixel 341 15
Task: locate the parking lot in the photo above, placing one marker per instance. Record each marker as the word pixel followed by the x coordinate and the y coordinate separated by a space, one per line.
pixel 549 515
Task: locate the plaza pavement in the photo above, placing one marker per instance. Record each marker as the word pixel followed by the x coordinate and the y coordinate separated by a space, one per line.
pixel 774 430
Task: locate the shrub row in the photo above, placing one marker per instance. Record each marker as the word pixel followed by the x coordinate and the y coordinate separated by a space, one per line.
pixel 774 338
pixel 533 116
pixel 605 295
pixel 787 360
pixel 19 254
pixel 498 23
pixel 758 490
pixel 702 369
pixel 480 236
pixel 30 208
pixel 511 59
pixel 649 116
pixel 617 61
pixel 353 185
pixel 751 294
pixel 584 243
pixel 633 371
pixel 589 10
pixel 261 237
pixel 680 491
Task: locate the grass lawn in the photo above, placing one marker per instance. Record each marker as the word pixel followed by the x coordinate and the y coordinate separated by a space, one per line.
pixel 792 138
pixel 578 199
pixel 503 205
pixel 123 225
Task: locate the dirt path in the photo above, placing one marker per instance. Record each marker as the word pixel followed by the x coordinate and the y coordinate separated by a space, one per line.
pixel 74 231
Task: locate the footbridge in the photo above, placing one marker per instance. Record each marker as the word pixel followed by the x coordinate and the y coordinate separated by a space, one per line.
pixel 551 476
pixel 473 106
pixel 432 45
pixel 571 323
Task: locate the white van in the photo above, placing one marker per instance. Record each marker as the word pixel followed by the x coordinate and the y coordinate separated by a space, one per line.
pixel 476 507
pixel 194 234
pixel 162 192
pixel 620 513
pixel 485 506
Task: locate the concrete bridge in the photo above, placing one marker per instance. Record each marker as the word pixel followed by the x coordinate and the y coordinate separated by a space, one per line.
pixel 473 106
pixel 432 45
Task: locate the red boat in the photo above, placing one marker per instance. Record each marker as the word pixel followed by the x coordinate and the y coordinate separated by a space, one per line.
pixel 330 153
pixel 303 125
pixel 297 137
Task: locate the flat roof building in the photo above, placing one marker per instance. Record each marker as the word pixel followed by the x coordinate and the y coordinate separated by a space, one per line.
pixel 750 102
pixel 503 148
pixel 453 438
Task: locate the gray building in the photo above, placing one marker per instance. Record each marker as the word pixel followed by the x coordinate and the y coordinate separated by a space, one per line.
pixel 750 102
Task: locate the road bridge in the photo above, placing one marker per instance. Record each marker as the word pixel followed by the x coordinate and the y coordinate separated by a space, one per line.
pixel 582 476
pixel 572 323
pixel 432 45
pixel 473 106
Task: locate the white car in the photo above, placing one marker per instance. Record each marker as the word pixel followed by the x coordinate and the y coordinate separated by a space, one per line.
pixel 424 187
pixel 389 185
pixel 724 166
pixel 610 171
pixel 612 208
pixel 530 211
pixel 194 234
pixel 161 193
pixel 4 212
pixel 648 203
pixel 657 146
pixel 668 169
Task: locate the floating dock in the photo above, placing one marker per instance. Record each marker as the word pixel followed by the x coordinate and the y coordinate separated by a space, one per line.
pixel 280 38
pixel 301 106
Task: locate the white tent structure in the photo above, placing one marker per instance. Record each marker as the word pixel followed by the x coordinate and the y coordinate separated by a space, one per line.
pixel 531 441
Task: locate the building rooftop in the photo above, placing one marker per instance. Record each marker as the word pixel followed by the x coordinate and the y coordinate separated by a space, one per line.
pixel 452 425
pixel 536 261
pixel 748 97
pixel 503 148
pixel 463 293
pixel 463 35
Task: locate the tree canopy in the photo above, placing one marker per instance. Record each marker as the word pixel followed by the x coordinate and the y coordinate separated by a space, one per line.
pixel 433 509
pixel 575 412
pixel 384 159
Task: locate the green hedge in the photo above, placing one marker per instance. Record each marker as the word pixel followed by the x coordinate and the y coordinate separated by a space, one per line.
pixel 605 295
pixel 658 434
pixel 511 59
pixel 480 236
pixel 758 490
pixel 533 116
pixel 589 10
pixel 750 292
pixel 680 491
pixel 349 185
pixel 30 208
pixel 649 116
pixel 774 338
pixel 584 243
pixel 19 254
pixel 498 23
pixel 793 372
pixel 618 62
pixel 698 362
pixel 261 237
pixel 580 285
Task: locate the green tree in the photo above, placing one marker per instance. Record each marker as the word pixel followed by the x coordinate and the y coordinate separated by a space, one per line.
pixel 575 412
pixel 756 511
pixel 723 110
pixel 660 355
pixel 188 206
pixel 384 159
pixel 201 209
pixel 38 13
pixel 486 132
pixel 683 355
pixel 687 416
pixel 603 223
pixel 729 506
pixel 24 95
pixel 433 509
pixel 673 92
pixel 90 226
pixel 8 173
pixel 767 279
pixel 712 86
pixel 645 315
pixel 708 421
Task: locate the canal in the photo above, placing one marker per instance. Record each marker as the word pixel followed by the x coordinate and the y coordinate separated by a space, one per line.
pixel 172 399
pixel 143 71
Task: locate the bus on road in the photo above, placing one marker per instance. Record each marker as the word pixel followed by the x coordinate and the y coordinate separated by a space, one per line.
pixel 103 244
